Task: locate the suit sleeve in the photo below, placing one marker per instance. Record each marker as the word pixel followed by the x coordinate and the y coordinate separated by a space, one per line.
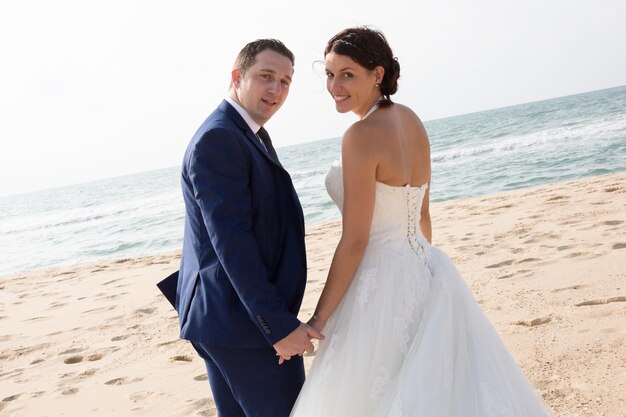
pixel 219 173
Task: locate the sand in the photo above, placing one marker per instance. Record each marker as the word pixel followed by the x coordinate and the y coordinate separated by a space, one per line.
pixel 547 264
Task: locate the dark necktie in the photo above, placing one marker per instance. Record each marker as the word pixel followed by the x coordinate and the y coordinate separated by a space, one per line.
pixel 265 137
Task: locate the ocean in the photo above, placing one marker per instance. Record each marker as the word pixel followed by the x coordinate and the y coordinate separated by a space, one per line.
pixel 497 150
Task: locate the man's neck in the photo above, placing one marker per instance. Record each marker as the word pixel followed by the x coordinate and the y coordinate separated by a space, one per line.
pixel 254 126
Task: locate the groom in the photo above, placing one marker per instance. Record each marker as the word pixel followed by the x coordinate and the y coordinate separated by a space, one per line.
pixel 243 265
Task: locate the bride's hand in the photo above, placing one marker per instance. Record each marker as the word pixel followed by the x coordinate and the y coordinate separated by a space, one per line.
pixel 316 323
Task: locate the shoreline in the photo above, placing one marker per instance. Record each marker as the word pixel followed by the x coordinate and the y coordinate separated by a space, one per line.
pixel 545 263
pixel 169 253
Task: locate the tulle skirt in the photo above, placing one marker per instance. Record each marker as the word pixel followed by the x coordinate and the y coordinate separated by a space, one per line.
pixel 410 340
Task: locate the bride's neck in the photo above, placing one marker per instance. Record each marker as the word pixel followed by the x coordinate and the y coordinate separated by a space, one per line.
pixel 372 107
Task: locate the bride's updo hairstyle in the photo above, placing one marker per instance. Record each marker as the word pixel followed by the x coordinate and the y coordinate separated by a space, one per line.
pixel 369 48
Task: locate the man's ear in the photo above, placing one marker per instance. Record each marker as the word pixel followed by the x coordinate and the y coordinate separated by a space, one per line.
pixel 235 77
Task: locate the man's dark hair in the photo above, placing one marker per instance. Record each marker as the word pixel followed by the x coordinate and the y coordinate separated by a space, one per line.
pixel 247 56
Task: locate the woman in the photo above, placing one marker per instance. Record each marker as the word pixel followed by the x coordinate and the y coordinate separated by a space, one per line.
pixel 404 335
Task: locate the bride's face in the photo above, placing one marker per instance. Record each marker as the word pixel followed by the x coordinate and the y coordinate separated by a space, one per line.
pixel 352 86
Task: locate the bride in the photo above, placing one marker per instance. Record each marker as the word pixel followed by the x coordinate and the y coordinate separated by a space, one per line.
pixel 404 335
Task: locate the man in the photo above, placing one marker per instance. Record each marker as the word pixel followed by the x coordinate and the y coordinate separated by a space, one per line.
pixel 243 265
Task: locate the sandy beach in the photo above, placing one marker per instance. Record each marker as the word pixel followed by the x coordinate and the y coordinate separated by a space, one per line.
pixel 547 264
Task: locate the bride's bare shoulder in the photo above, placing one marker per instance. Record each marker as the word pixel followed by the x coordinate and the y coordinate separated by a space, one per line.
pixel 408 112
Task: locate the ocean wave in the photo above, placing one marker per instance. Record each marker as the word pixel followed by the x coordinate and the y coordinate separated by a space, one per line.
pixel 573 131
pixel 74 217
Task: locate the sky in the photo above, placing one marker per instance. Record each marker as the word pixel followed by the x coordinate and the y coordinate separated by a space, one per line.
pixel 97 89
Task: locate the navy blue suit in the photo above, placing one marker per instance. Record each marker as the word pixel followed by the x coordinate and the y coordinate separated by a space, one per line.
pixel 243 267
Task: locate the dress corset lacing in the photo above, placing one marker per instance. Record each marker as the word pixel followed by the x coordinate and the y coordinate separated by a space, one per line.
pixel 413 202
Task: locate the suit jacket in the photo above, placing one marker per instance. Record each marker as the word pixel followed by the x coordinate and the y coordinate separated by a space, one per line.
pixel 243 267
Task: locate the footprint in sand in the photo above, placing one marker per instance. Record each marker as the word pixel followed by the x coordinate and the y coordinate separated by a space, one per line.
pixel 181 358
pixel 505 276
pixel 11 398
pixel 573 287
pixel 69 391
pixel 534 322
pixel 88 372
pixel 38 318
pixel 168 343
pixel 557 198
pixel 612 222
pixel 79 358
pixel 569 222
pixel 612 189
pixel 141 395
pixel 119 338
pixel 73 359
pixel 577 254
pixel 93 310
pixel 528 260
pixel 602 301
pixel 203 407
pixel 201 403
pixel 501 264
pixel 201 377
pixel 122 261
pixel 146 310
pixel 112 297
pixel 122 381
pixel 619 246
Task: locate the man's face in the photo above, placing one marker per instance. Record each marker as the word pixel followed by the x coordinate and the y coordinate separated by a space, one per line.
pixel 264 86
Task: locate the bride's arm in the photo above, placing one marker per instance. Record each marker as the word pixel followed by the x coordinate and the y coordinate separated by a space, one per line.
pixel 359 177
pixel 425 224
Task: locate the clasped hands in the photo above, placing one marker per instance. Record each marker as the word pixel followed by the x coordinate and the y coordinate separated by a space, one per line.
pixel 298 342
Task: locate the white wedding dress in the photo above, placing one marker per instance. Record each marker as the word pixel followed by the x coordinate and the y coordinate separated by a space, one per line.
pixel 409 339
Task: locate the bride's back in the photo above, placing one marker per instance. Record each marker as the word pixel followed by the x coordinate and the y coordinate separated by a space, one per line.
pixel 402 146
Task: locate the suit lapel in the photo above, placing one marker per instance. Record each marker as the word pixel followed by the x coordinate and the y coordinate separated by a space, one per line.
pixel 245 129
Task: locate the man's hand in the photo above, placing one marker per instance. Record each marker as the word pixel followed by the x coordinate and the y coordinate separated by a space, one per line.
pixel 297 342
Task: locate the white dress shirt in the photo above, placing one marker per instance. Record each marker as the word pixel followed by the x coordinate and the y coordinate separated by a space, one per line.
pixel 254 126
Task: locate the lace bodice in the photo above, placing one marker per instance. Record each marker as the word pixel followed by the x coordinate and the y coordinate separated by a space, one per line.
pixel 395 223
